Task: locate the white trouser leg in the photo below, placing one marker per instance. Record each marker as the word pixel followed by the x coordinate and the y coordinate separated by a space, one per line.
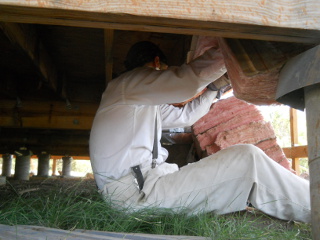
pixel 223 183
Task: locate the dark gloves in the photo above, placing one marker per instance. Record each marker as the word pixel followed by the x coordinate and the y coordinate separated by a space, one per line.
pixel 221 85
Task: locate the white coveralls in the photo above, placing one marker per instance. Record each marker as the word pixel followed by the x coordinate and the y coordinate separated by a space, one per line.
pixel 122 136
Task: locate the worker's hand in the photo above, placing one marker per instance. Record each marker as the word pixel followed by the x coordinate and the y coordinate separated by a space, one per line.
pixel 221 85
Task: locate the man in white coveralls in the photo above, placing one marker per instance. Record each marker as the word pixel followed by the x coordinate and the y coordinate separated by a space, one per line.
pixel 129 163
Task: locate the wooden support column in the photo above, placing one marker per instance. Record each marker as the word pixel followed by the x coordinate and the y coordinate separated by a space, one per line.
pixel 294 138
pixel 54 166
pixel 312 99
pixel 299 85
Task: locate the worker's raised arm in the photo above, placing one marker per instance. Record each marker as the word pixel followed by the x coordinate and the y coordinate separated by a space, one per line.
pixel 175 117
pixel 145 85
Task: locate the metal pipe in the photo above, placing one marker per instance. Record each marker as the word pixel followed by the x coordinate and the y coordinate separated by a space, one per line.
pixel 312 100
pixel 66 166
pixel 6 165
pixel 43 164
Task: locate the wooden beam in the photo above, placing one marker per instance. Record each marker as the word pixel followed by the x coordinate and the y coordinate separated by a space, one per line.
pixel 108 46
pixel 279 21
pixel 296 152
pixel 301 14
pixel 53 141
pixel 26 38
pixel 50 115
pixel 73 157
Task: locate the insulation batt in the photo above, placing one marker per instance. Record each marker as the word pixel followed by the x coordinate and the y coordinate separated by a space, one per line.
pixel 232 121
pixel 220 112
pixel 250 133
pixel 239 120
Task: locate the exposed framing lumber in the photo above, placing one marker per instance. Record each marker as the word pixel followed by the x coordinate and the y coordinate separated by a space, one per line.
pixel 296 152
pixel 86 157
pixel 49 115
pixel 302 71
pixel 73 157
pixel 182 17
pixel 54 167
pixel 25 36
pixel 294 137
pixel 108 45
pixel 303 14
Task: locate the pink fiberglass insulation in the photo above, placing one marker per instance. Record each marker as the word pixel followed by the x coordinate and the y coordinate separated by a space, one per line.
pixel 232 121
pixel 210 135
pixel 220 112
pixel 251 133
pixel 266 144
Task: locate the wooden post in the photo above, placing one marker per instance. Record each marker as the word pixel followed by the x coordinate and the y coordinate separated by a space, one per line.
pixel 54 166
pixel 312 99
pixel 294 138
pixel 299 84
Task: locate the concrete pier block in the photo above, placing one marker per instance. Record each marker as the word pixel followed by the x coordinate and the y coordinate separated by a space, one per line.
pixel 22 167
pixel 6 165
pixel 43 164
pixel 66 166
pixel 3 180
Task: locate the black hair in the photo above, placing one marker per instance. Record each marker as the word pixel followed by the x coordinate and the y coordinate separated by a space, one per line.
pixel 141 53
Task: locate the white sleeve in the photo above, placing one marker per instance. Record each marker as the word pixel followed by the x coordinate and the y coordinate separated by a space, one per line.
pixel 174 117
pixel 176 84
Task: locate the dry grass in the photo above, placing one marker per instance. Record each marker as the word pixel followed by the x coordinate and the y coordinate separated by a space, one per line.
pixel 70 204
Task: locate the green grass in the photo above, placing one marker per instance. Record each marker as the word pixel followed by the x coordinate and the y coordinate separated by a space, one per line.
pixel 78 207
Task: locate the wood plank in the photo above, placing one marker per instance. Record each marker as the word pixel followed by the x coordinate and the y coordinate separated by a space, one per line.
pixel 71 150
pixel 39 232
pixel 290 22
pixel 86 157
pixel 294 138
pixel 54 167
pixel 296 152
pixel 51 115
pixel 25 36
pixel 301 14
pixel 108 45
pixel 56 142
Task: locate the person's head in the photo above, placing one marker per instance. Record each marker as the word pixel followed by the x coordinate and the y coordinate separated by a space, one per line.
pixel 142 53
